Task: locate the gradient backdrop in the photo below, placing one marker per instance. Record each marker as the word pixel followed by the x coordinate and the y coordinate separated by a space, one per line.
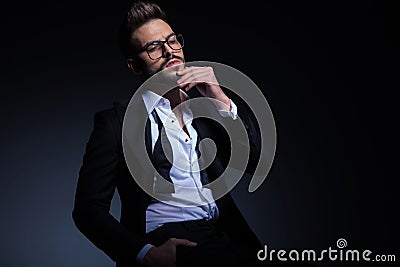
pixel 326 69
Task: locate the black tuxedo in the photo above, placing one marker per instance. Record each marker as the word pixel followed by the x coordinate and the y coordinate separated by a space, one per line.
pixel 104 169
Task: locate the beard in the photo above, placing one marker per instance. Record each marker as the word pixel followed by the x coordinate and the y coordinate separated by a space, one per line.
pixel 147 73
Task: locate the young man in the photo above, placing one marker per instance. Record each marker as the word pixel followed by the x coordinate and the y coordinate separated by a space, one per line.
pixel 151 232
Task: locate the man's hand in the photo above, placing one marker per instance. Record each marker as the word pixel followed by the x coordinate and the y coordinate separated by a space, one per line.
pixel 165 255
pixel 206 82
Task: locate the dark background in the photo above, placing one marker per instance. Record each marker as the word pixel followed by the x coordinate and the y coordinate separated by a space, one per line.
pixel 328 71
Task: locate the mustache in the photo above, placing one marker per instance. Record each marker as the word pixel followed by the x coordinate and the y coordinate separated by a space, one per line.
pixel 169 59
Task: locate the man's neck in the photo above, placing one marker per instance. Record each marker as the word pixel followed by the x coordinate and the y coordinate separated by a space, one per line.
pixel 174 96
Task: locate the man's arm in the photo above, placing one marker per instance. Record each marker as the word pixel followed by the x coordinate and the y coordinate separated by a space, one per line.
pixel 253 131
pixel 95 190
pixel 204 79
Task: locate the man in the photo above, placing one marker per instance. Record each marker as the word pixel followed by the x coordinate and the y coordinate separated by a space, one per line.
pixel 151 232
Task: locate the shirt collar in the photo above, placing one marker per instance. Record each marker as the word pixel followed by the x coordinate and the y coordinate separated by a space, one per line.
pixel 152 100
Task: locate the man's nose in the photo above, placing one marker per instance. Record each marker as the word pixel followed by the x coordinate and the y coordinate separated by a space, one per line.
pixel 167 50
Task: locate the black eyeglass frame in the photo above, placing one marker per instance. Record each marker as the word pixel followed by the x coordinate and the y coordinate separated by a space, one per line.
pixel 179 39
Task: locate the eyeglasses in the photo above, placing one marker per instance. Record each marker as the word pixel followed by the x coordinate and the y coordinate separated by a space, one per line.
pixel 156 49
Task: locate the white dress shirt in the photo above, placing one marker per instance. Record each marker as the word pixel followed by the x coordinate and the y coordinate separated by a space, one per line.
pixel 185 170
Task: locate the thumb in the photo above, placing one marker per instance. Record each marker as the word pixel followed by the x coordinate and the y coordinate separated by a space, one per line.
pixel 184 242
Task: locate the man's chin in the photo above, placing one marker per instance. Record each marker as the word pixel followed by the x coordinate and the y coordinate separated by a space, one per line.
pixel 174 67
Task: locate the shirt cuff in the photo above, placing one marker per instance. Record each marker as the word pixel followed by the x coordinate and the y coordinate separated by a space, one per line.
pixel 231 113
pixel 143 252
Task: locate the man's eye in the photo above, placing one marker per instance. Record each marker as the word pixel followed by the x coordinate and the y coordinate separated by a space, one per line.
pixel 152 48
pixel 172 41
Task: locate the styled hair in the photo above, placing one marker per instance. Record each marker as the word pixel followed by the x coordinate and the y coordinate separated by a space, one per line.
pixel 139 13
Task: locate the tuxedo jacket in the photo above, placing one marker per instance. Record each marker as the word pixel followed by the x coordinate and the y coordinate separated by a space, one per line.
pixel 104 169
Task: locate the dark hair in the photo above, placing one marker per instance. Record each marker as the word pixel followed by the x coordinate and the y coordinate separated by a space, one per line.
pixel 139 13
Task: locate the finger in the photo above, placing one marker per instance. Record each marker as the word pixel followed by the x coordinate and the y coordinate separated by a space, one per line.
pixel 194 68
pixel 205 77
pixel 189 86
pixel 193 74
pixel 198 77
pixel 186 78
pixel 183 242
pixel 189 82
pixel 187 69
pixel 191 79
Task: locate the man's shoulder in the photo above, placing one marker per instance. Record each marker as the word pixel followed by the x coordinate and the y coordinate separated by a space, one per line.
pixel 122 104
pixel 117 108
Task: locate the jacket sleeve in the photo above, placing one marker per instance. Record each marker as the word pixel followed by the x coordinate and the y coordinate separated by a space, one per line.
pixel 95 189
pixel 247 117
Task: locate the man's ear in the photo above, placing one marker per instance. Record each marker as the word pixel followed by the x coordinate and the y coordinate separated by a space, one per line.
pixel 133 66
